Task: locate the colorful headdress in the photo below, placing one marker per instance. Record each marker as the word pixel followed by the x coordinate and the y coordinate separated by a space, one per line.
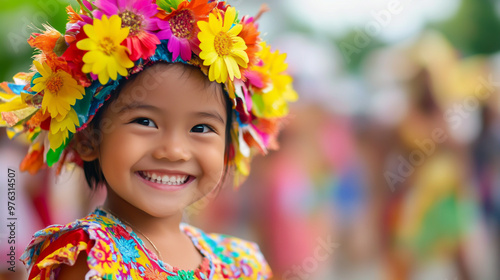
pixel 107 40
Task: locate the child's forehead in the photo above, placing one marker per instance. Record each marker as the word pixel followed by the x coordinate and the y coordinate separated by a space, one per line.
pixel 175 72
pixel 170 82
pixel 163 70
pixel 157 74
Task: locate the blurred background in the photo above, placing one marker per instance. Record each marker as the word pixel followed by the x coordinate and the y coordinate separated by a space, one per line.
pixel 389 167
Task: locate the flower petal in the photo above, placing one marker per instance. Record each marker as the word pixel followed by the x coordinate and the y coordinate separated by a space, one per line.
pixel 235 30
pixel 103 77
pixel 86 44
pixel 229 18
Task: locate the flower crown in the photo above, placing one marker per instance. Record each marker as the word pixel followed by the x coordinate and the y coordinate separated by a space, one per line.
pixel 108 40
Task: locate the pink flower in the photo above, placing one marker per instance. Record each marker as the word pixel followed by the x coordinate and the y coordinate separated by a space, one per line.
pixel 182 31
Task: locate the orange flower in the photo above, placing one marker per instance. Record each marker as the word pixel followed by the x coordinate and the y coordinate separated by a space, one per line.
pixel 33 160
pixel 37 119
pixel 250 35
pixel 46 43
pixel 73 16
pixel 200 8
pixel 152 274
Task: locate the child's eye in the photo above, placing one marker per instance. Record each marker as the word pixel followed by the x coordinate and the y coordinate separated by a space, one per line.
pixel 201 128
pixel 145 122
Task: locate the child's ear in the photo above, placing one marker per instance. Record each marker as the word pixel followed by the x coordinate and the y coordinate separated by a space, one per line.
pixel 86 145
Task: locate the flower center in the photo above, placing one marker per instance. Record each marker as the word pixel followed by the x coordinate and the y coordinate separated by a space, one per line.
pixel 223 44
pixel 54 84
pixel 182 23
pixel 107 46
pixel 131 20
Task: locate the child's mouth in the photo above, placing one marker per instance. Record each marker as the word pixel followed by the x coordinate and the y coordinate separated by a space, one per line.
pixel 173 180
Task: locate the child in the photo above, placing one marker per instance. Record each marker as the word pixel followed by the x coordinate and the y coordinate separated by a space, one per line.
pixel 157 102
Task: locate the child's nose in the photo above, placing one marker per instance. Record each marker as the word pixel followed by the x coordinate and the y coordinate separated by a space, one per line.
pixel 172 147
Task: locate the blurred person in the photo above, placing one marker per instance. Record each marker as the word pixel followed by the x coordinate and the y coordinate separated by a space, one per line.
pixel 430 214
pixel 486 155
pixel 29 203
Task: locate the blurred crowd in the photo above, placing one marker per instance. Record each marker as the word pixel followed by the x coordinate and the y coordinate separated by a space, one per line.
pixel 409 188
pixel 391 171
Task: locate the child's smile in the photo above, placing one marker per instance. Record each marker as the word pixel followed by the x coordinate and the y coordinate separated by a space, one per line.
pixel 157 177
pixel 165 146
pixel 162 179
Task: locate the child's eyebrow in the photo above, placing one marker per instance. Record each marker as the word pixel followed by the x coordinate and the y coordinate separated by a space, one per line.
pixel 136 106
pixel 212 115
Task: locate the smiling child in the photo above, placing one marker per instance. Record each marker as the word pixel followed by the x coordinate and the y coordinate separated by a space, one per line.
pixel 158 102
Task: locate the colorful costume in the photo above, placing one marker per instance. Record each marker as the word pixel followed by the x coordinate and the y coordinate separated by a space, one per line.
pixel 115 252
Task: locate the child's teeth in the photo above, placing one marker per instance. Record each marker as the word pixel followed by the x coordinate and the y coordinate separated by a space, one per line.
pixel 165 179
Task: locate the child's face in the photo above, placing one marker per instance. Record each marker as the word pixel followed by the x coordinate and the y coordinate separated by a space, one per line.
pixel 167 122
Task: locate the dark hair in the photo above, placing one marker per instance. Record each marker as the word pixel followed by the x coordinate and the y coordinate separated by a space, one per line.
pixel 92 169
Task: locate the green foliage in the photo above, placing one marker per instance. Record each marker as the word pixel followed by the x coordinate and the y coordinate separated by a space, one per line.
pixel 167 5
pixel 474 29
pixel 18 20
pixel 355 46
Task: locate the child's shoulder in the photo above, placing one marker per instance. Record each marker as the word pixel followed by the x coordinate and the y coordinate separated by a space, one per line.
pixel 216 242
pixel 231 253
pixel 89 224
pixel 61 244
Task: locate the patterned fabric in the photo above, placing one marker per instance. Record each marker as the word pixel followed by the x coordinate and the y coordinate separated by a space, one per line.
pixel 117 253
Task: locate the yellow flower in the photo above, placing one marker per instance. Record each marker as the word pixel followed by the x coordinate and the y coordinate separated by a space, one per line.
pixel 221 47
pixel 105 57
pixel 60 90
pixel 274 97
pixel 107 259
pixel 10 101
pixel 70 252
pixel 59 128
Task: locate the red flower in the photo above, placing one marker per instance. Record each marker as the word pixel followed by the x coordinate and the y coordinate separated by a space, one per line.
pixel 73 55
pixel 120 231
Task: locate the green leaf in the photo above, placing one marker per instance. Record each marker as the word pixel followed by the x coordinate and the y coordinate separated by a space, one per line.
pixel 167 5
pixel 34 136
pixel 60 46
pixel 53 156
pixel 258 104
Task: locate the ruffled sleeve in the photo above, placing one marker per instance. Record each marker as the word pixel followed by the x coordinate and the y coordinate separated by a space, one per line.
pixel 233 258
pixel 52 247
pixel 112 253
pixel 243 258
